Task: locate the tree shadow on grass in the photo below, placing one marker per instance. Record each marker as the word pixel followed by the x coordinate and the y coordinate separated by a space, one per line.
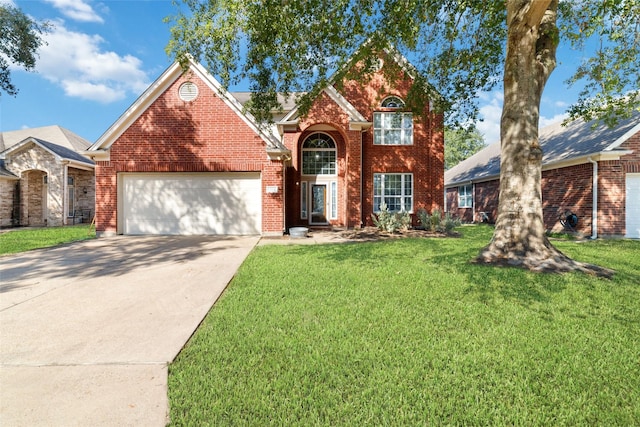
pixel 451 258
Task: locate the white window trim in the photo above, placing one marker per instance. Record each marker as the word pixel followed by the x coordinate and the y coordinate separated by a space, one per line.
pixel 402 130
pixel 333 200
pixel 306 150
pixel 465 200
pixel 304 195
pixel 402 196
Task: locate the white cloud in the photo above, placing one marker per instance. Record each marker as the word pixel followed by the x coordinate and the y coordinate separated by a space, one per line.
pixel 7 3
pixel 77 10
pixel 76 62
pixel 490 112
pixel 544 121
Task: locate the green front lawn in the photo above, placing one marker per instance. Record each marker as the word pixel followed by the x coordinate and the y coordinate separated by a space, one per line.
pixel 25 239
pixel 408 332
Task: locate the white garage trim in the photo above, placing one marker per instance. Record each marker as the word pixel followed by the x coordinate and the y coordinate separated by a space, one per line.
pixel 632 208
pixel 190 203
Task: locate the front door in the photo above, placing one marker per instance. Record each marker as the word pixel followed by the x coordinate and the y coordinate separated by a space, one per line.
pixel 318 204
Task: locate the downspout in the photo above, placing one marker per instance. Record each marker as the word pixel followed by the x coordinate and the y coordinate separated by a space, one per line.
pixel 594 193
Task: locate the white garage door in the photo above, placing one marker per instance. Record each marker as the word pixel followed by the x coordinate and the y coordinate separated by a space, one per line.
pixel 633 205
pixel 191 203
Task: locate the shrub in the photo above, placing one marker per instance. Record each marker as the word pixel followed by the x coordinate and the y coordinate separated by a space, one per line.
pixel 434 222
pixel 389 221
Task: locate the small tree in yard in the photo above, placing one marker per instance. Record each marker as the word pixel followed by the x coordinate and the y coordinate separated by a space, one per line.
pixel 20 38
pixel 462 48
pixel 460 144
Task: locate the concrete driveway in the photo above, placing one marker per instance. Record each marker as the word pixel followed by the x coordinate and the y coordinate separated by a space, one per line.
pixel 87 329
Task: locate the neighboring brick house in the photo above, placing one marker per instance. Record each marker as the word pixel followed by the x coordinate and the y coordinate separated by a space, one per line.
pixel 575 156
pixel 44 181
pixel 186 158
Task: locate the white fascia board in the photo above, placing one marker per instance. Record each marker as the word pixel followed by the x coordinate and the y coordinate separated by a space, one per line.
pixel 599 157
pixel 283 126
pixel 136 109
pixel 79 165
pixel 359 125
pixel 97 155
pixel 618 142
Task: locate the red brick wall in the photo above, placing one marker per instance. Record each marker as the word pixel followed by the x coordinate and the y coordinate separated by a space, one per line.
pixel 568 189
pixel 485 199
pixel 424 159
pixel 176 136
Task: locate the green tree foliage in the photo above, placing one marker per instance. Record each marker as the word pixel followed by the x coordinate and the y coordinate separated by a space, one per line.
pixel 460 144
pixel 458 46
pixel 459 49
pixel 611 75
pixel 20 38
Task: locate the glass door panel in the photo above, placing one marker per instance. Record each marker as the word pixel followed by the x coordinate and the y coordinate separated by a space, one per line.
pixel 318 204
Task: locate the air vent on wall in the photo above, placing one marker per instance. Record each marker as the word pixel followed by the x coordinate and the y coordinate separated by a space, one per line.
pixel 188 91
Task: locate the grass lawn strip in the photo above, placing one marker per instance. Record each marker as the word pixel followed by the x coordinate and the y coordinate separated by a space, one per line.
pixel 409 332
pixel 24 239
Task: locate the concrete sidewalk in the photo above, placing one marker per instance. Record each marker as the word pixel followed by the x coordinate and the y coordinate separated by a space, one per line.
pixel 87 329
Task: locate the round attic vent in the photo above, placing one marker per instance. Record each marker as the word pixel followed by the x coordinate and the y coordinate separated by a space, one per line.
pixel 188 91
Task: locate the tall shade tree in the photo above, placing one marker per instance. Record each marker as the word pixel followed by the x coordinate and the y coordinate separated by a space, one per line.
pixel 20 38
pixel 460 48
pixel 460 144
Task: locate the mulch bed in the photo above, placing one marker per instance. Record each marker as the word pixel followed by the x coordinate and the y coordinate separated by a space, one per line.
pixel 373 234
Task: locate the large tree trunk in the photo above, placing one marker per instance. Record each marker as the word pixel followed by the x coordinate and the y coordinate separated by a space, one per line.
pixel 519 238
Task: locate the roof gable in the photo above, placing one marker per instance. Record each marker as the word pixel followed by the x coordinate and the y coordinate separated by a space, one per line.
pixel 356 118
pixel 54 134
pixel 160 86
pixel 59 152
pixel 341 101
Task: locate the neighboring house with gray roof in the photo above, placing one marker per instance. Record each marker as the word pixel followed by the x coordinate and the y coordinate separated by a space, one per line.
pixel 575 157
pixel 43 178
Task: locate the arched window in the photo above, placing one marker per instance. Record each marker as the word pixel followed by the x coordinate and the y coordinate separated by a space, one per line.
pixel 319 155
pixel 393 102
pixel 392 127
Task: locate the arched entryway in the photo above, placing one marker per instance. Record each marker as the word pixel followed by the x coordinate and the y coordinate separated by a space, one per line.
pixel 319 179
pixel 34 198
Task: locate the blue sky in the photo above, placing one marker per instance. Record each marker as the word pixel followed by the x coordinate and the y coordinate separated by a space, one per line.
pixel 101 55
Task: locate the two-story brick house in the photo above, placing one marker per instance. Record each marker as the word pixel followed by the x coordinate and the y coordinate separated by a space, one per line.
pixel 187 158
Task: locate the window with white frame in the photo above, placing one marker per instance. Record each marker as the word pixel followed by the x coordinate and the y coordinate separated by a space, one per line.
pixel 319 155
pixel 334 200
pixel 303 200
pixel 465 196
pixel 71 196
pixel 393 189
pixel 392 127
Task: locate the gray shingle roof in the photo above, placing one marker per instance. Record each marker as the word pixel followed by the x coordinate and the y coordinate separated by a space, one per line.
pixel 559 143
pixel 4 173
pixel 54 134
pixel 64 152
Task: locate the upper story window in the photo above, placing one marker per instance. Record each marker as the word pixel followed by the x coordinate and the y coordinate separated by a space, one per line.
pixel 393 102
pixel 392 127
pixel 319 155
